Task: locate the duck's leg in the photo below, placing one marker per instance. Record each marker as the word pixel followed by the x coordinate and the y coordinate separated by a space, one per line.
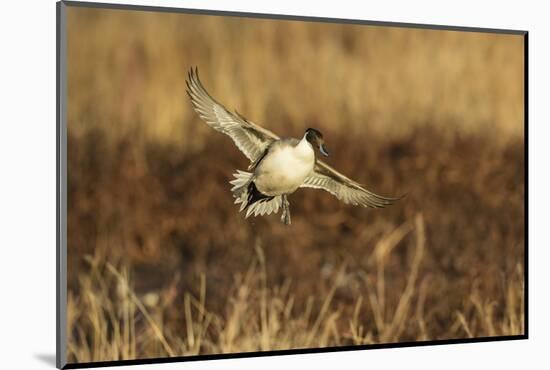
pixel 285 217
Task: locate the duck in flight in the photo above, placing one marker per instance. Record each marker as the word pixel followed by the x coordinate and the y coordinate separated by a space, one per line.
pixel 279 166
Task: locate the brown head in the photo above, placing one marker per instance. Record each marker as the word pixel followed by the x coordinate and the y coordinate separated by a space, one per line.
pixel 315 138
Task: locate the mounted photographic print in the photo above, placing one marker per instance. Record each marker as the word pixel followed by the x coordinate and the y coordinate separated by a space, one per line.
pixel 234 184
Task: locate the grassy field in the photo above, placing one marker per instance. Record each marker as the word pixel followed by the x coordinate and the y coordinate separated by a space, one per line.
pixel 160 263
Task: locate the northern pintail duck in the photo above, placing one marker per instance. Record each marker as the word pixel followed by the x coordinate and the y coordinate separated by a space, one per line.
pixel 279 166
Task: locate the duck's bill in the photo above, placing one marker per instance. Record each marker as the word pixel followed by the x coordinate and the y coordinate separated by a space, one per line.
pixel 323 150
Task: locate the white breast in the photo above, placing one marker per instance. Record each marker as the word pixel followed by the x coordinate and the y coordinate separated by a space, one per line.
pixel 285 168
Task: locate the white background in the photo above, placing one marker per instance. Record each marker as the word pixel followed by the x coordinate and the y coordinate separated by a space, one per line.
pixel 27 183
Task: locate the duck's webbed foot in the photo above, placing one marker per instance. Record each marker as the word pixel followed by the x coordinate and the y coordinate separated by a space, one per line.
pixel 285 217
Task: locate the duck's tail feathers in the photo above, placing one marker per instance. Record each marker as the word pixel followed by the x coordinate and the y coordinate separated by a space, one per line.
pixel 253 205
pixel 240 184
pixel 242 178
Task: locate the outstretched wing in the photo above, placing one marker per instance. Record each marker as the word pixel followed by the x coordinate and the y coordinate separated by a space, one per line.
pixel 350 192
pixel 250 138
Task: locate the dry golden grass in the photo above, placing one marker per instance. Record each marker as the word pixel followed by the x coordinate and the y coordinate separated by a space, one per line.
pixel 160 262
pixel 127 72
pixel 110 321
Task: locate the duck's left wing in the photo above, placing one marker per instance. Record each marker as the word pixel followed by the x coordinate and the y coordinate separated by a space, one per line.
pixel 250 138
pixel 350 192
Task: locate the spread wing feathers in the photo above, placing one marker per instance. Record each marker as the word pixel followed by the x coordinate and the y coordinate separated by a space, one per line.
pixel 250 138
pixel 264 207
pixel 259 208
pixel 350 192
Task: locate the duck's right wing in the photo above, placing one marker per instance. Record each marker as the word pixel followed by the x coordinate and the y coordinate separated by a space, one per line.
pixel 350 192
pixel 250 138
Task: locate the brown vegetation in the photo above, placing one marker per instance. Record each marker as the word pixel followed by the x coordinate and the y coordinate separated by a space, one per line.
pixel 161 263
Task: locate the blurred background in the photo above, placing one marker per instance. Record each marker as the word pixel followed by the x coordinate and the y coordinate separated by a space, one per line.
pixel 160 262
